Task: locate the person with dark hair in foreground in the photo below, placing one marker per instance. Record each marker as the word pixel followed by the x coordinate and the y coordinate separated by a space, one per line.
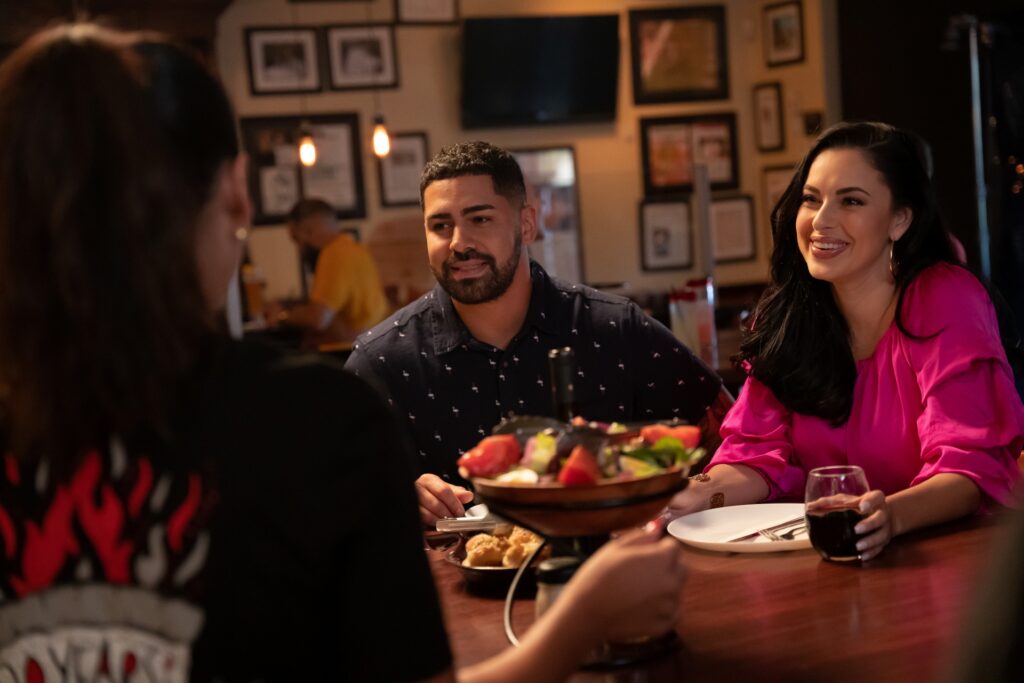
pixel 872 347
pixel 150 524
pixel 474 350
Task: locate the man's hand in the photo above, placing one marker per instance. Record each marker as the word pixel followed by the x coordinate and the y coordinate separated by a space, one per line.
pixel 439 499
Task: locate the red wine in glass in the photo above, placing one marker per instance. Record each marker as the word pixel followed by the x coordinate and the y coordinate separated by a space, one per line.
pixel 831 531
pixel 832 496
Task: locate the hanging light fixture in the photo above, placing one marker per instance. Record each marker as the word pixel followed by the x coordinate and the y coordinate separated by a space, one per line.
pixel 307 145
pixel 381 137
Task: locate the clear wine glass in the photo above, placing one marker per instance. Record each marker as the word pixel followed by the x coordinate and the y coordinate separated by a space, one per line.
pixel 831 500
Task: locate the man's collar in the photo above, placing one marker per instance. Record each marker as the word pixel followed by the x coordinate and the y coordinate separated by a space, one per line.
pixel 542 313
pixel 449 332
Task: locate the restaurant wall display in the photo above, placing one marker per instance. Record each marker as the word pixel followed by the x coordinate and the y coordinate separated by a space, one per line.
pixel 666 237
pixel 276 178
pixel 399 171
pixel 282 60
pixel 679 54
pixel 732 229
pixel 426 12
pixel 769 122
pixel 776 180
pixel 783 29
pixel 362 56
pixel 671 145
pixel 551 187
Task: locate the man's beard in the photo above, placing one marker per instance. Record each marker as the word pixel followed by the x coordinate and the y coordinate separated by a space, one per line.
pixel 482 289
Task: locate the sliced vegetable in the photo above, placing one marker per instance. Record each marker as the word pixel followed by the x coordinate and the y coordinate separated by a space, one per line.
pixel 489 458
pixel 688 435
pixel 519 475
pixel 637 467
pixel 540 451
pixel 580 469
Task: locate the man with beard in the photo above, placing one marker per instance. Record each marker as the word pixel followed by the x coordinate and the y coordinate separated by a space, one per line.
pixel 474 349
pixel 346 297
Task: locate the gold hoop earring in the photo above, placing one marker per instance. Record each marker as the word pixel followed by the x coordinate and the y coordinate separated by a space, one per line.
pixel 892 260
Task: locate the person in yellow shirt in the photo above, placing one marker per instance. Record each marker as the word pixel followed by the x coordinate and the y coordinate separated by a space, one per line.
pixel 346 298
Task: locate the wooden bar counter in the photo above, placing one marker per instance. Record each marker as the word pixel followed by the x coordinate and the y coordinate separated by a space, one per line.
pixel 786 616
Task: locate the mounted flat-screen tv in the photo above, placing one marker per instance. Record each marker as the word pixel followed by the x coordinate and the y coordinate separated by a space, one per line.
pixel 526 71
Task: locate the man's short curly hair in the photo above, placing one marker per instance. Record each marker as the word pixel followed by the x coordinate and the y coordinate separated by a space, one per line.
pixel 477 158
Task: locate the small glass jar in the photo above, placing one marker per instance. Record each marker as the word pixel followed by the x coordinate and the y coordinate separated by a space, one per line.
pixel 552 575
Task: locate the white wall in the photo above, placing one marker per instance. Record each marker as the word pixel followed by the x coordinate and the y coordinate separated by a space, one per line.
pixel 608 155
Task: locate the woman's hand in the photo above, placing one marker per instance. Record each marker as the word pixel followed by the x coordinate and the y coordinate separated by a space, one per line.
pixel 630 587
pixel 876 529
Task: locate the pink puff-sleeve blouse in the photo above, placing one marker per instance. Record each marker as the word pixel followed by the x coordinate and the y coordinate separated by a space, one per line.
pixel 942 403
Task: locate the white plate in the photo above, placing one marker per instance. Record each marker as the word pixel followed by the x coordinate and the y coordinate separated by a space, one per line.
pixel 712 529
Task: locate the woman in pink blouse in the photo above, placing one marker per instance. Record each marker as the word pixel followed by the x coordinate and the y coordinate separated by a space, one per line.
pixel 872 348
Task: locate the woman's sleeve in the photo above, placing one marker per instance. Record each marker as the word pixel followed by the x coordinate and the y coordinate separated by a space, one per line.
pixel 972 421
pixel 755 433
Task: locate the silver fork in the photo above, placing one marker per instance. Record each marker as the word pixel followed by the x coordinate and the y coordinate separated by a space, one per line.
pixel 772 529
pixel 787 535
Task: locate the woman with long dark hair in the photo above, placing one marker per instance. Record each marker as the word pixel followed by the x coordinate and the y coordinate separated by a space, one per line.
pixel 873 347
pixel 175 505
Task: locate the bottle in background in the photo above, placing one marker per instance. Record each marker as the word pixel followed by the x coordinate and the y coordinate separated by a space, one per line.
pixel 692 312
pixel 682 311
pixel 253 285
pixel 562 364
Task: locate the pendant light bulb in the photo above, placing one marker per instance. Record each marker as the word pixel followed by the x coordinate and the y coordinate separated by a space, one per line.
pixel 307 150
pixel 381 138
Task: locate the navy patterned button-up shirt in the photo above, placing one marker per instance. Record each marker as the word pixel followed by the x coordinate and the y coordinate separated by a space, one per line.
pixel 451 389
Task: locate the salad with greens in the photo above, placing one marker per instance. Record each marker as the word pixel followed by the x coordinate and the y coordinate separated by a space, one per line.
pixel 583 453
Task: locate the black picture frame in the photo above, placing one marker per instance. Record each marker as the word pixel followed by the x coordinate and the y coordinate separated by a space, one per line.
pixel 732 228
pixel 666 234
pixel 289 66
pixel 426 12
pixel 361 56
pixel 552 186
pixel 669 48
pixel 276 178
pixel 783 33
pixel 398 173
pixel 669 145
pixel 769 119
pixel 774 181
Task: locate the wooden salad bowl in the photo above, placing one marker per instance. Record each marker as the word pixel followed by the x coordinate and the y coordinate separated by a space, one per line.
pixel 558 511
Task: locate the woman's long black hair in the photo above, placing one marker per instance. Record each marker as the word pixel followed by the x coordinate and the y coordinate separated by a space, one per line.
pixel 798 341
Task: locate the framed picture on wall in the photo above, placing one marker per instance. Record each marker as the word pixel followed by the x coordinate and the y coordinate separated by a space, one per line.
pixel 426 11
pixel 670 146
pixel 769 128
pixel 276 178
pixel 399 171
pixel 732 229
pixel 783 33
pixel 776 180
pixel 679 54
pixel 282 61
pixel 550 174
pixel 362 57
pixel 666 240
